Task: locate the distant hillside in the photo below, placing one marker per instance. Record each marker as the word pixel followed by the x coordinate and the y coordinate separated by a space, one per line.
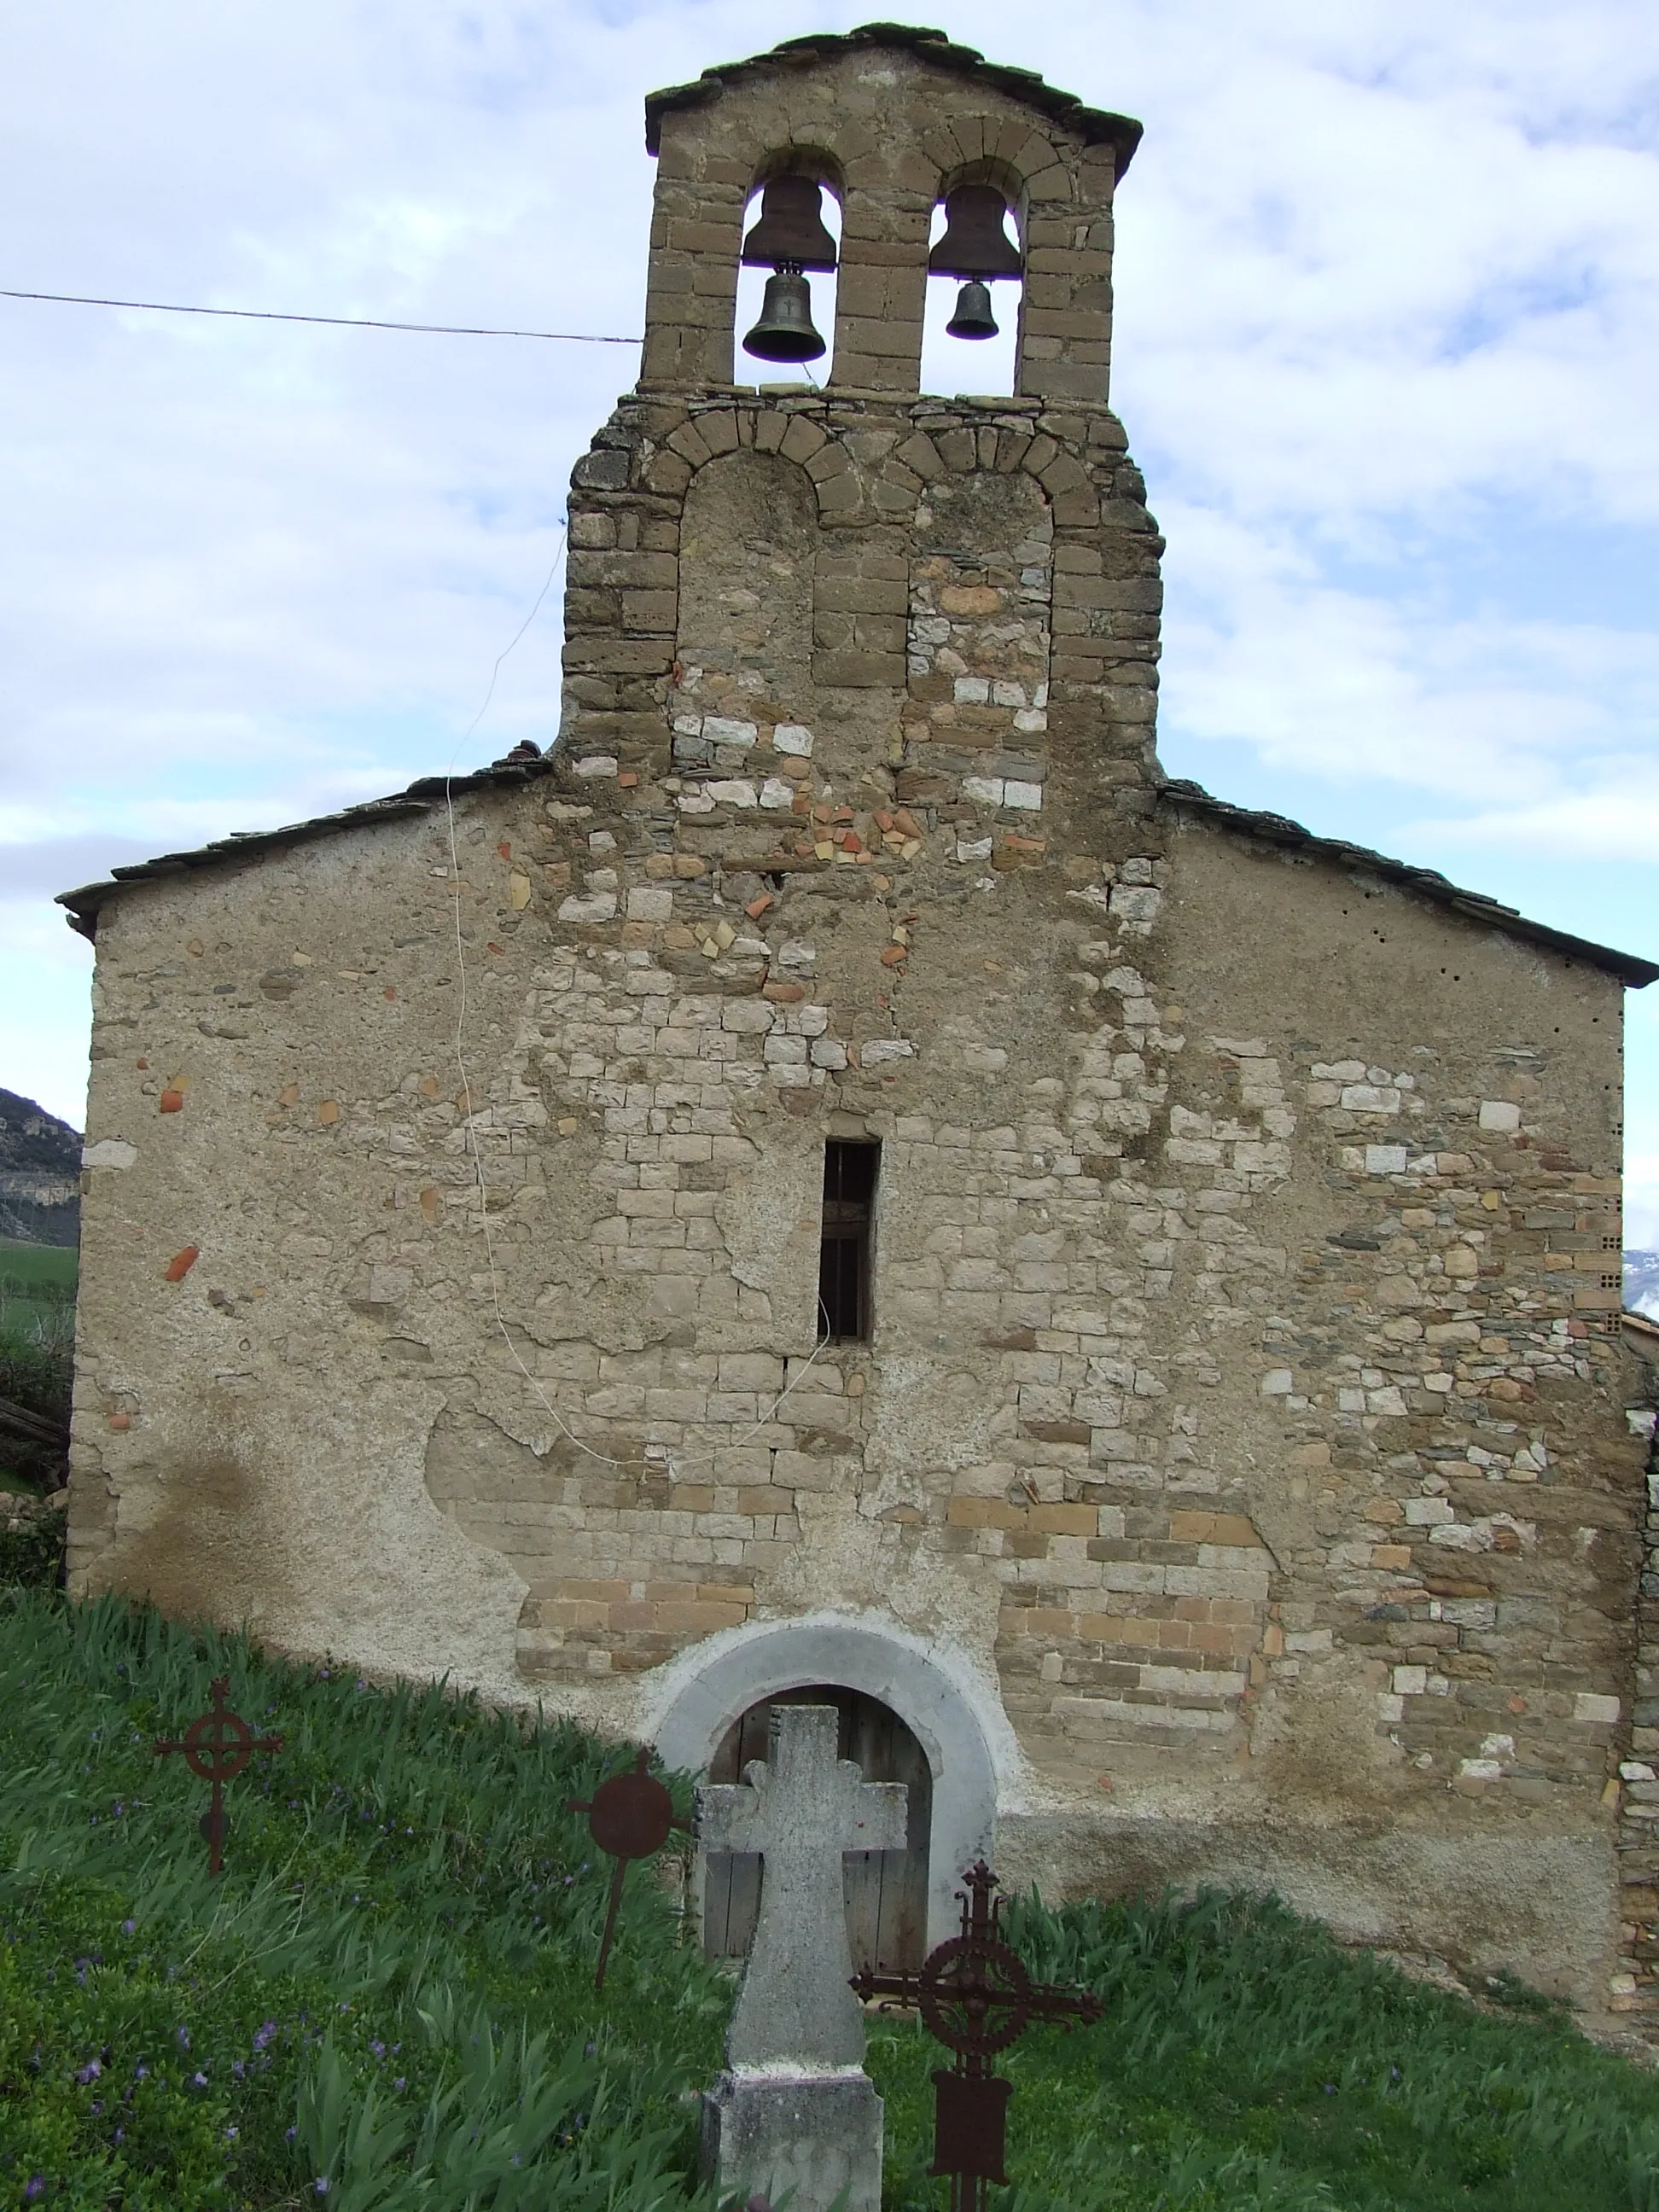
pixel 40 1173
pixel 1641 1283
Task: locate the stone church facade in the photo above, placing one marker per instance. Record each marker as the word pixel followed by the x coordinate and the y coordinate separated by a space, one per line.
pixel 923 1205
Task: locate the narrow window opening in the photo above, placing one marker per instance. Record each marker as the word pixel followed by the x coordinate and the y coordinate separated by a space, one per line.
pixel 849 1202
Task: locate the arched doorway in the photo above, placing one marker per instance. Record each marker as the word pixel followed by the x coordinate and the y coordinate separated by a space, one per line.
pixel 935 1692
pixel 886 1891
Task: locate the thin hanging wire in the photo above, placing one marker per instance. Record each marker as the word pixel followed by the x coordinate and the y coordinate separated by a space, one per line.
pixel 340 322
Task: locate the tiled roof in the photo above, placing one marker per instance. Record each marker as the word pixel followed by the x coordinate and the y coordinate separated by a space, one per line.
pixel 424 796
pixel 1429 883
pixel 1092 125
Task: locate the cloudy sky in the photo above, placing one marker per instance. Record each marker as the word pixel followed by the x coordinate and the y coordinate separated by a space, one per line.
pixel 1387 322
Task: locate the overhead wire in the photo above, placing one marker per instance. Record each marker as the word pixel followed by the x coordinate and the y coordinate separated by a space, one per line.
pixel 469 1119
pixel 340 322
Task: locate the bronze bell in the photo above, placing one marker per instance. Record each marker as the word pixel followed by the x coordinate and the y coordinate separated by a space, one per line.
pixel 791 228
pixel 972 318
pixel 784 331
pixel 974 243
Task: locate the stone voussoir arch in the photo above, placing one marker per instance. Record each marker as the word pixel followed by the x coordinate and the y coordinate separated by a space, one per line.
pixel 961 1729
pixel 846 488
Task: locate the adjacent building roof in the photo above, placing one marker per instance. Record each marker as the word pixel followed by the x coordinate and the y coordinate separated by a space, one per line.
pixel 1429 883
pixel 428 794
pixel 1092 125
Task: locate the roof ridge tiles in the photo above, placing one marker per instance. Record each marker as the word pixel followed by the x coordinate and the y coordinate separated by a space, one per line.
pixel 1092 125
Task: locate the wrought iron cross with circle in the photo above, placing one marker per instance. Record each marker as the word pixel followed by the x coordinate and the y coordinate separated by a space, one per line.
pixel 976 1996
pixel 629 1817
pixel 217 1745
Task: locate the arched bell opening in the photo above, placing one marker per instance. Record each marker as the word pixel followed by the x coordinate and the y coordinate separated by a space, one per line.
pixel 785 327
pixel 975 282
pixel 887 1892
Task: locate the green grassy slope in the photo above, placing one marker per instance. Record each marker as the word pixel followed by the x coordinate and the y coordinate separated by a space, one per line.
pixel 37 1359
pixel 28 1265
pixel 390 1992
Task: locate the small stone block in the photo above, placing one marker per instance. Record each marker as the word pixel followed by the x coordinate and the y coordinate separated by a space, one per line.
pixel 813 2139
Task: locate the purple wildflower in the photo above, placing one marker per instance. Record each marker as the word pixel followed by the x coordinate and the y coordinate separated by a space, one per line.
pixel 200 2080
pixel 184 2038
pixel 35 2185
pixel 266 2029
pixel 91 2071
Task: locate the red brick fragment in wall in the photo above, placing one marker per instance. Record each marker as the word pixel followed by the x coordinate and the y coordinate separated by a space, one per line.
pixel 172 1102
pixel 181 1263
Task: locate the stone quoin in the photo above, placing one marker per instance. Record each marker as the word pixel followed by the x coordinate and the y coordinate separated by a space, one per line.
pixel 928 1209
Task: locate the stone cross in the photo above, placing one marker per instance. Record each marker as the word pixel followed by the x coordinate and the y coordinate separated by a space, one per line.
pixel 795 2110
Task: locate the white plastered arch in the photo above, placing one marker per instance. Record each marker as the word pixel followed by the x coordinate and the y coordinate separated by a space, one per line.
pixel 944 1705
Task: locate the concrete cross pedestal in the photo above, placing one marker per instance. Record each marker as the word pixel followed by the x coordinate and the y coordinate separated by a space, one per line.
pixel 795 2110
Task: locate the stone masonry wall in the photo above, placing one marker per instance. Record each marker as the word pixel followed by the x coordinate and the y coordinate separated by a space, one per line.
pixel 1235 1411
pixel 1239 1419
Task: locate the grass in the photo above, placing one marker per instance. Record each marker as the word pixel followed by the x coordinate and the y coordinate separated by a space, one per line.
pixel 37 1354
pixel 390 1992
pixel 52 1268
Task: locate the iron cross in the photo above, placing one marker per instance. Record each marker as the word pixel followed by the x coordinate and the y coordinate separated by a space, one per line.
pixel 976 1998
pixel 217 1745
pixel 629 1818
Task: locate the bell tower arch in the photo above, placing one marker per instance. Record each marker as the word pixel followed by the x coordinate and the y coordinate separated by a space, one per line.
pixel 955 601
pixel 900 119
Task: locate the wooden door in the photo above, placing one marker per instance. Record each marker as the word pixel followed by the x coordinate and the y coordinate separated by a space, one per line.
pixel 886 1891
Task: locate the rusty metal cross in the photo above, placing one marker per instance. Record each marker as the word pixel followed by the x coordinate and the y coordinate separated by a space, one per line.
pixel 217 1745
pixel 975 1997
pixel 629 1817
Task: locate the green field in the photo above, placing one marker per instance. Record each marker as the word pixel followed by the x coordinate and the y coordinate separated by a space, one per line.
pixel 29 1269
pixel 37 1353
pixel 386 2001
